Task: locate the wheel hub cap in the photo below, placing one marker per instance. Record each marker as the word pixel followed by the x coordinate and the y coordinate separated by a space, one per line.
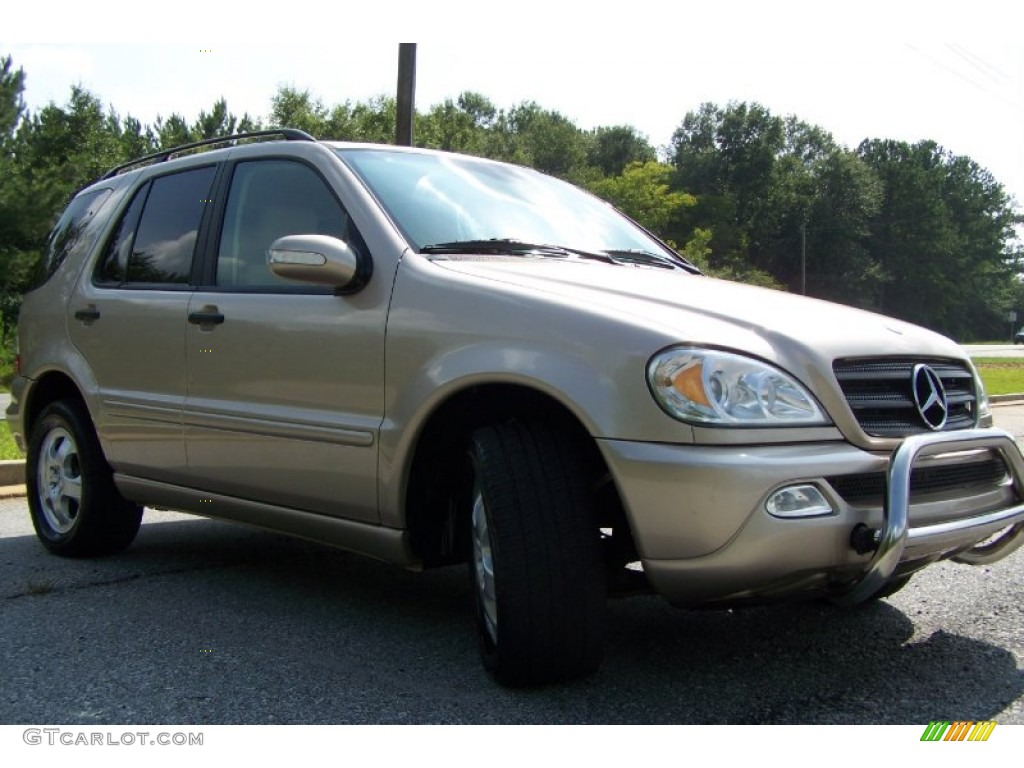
pixel 484 566
pixel 59 480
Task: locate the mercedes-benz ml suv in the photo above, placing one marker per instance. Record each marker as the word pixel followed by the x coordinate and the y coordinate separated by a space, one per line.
pixel 434 359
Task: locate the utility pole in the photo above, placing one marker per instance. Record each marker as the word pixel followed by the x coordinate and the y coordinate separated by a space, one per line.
pixel 405 107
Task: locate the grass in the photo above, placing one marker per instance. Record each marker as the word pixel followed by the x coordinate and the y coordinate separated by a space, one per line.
pixel 6 364
pixel 8 448
pixel 1001 375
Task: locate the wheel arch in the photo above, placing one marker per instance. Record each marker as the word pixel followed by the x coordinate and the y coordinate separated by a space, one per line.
pixel 49 388
pixel 436 534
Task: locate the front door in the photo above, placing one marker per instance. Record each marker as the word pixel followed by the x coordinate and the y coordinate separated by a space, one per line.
pixel 284 391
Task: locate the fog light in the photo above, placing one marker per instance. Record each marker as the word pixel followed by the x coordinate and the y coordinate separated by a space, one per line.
pixel 798 501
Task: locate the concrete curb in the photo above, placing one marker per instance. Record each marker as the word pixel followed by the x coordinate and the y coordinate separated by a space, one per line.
pixel 12 472
pixel 12 491
pixel 1006 398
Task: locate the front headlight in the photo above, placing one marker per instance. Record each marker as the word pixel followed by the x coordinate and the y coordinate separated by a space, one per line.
pixel 714 387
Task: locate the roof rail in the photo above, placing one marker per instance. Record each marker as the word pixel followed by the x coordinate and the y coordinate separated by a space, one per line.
pixel 290 134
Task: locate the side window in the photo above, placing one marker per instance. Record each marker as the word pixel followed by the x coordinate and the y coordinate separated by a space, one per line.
pixel 166 237
pixel 113 267
pixel 156 239
pixel 67 232
pixel 269 199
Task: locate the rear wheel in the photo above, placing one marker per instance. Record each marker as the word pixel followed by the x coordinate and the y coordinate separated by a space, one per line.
pixel 536 559
pixel 75 507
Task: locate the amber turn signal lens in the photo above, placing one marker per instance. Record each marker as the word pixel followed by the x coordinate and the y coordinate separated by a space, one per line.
pixel 689 382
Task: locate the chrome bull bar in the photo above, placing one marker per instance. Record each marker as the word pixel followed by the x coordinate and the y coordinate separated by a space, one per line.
pixel 896 534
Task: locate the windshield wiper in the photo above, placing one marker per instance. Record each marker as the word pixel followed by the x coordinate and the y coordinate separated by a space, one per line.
pixel 637 256
pixel 509 247
pixel 496 245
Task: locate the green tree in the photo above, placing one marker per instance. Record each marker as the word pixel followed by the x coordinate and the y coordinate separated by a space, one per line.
pixel 642 192
pixel 136 139
pixel 944 239
pixel 13 266
pixel 292 108
pixel 781 198
pixel 551 142
pixel 12 106
pixel 173 132
pixel 220 122
pixel 44 158
pixel 725 157
pixel 373 120
pixel 57 150
pixel 845 194
pixel 451 127
pixel 75 143
pixel 613 148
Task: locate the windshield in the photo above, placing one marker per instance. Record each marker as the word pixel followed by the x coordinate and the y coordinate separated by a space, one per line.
pixel 445 199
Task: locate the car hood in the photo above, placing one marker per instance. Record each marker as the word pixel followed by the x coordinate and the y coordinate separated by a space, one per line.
pixel 701 310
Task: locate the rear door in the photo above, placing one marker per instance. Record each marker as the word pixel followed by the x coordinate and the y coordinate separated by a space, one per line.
pixel 128 319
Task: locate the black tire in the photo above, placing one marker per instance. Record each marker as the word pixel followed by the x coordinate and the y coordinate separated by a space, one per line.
pixel 76 509
pixel 538 575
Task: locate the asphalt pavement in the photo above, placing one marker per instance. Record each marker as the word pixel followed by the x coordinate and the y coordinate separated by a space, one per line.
pixel 994 350
pixel 206 622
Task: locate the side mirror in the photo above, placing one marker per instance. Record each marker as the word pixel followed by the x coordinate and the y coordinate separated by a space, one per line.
pixel 319 259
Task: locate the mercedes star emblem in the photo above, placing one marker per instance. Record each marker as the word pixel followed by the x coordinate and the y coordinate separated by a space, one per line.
pixel 929 396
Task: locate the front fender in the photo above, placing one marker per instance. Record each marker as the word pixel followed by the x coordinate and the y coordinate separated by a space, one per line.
pixel 588 393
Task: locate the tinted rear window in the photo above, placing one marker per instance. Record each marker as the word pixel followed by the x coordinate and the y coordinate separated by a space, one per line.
pixel 155 240
pixel 166 237
pixel 68 231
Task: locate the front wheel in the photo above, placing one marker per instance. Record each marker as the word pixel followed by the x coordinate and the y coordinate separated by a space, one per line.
pixel 75 507
pixel 536 558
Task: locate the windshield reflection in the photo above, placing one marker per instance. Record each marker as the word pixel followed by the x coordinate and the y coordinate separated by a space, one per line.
pixel 449 198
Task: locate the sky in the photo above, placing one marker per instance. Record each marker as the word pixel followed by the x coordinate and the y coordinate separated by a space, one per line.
pixel 945 71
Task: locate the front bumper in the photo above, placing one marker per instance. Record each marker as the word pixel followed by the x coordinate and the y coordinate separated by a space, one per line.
pixel 895 536
pixel 697 515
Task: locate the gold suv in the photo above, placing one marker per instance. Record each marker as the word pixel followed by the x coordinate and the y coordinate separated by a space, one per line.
pixel 435 359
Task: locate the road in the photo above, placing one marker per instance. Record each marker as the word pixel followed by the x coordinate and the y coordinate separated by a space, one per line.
pixel 1010 416
pixel 994 350
pixel 205 622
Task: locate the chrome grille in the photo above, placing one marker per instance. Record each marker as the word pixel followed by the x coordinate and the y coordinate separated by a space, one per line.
pixel 880 394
